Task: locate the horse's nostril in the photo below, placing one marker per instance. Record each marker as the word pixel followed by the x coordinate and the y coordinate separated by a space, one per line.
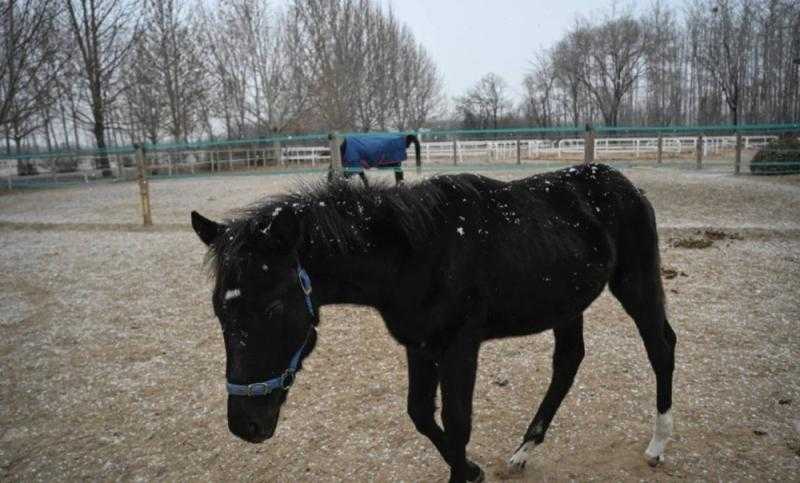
pixel 252 428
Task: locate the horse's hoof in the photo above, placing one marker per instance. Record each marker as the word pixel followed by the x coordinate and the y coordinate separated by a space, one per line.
pixel 517 462
pixel 481 476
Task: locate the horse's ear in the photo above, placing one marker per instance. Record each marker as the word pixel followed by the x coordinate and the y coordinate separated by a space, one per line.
pixel 207 230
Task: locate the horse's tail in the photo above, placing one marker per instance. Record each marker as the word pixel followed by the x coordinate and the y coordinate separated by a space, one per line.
pixel 411 138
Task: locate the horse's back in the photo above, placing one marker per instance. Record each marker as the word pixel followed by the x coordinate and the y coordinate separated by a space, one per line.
pixel 545 246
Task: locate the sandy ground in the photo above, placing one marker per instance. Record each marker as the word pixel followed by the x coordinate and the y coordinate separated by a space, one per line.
pixel 112 361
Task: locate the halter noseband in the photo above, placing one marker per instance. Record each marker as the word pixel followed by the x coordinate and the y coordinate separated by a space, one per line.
pixel 285 380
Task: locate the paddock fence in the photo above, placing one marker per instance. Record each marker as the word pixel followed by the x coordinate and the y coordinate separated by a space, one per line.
pixel 722 147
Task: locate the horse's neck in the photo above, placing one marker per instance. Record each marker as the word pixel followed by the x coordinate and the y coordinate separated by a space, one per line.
pixel 350 279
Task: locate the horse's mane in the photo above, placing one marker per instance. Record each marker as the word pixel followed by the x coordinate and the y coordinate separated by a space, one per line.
pixel 343 217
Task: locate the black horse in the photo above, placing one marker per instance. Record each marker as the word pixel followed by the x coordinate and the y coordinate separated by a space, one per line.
pixel 449 263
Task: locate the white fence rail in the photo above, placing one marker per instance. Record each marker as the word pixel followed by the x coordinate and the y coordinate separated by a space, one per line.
pixel 605 148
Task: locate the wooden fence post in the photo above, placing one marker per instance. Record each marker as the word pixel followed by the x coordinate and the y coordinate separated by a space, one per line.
pixel 455 152
pixel 588 145
pixel 519 151
pixel 120 168
pixel 699 150
pixel 278 153
pixel 230 159
pixel 737 168
pixel 144 190
pixel 336 168
pixel 660 155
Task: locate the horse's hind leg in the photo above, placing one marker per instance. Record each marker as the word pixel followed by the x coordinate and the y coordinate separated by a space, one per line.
pixel 569 352
pixel 642 296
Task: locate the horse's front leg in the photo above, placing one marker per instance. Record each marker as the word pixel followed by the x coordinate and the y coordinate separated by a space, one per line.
pixel 569 352
pixel 457 369
pixel 423 379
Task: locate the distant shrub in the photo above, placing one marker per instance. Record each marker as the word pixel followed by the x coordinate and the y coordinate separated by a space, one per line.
pixel 65 165
pixel 781 156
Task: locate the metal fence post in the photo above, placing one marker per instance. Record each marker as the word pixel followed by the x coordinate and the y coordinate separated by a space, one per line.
pixel 144 189
pixel 519 151
pixel 455 152
pixel 588 145
pixel 699 150
pixel 737 168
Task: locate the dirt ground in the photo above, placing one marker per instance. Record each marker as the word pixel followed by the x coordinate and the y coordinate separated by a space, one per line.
pixel 112 361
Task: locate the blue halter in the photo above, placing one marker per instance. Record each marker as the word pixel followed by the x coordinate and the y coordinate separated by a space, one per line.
pixel 285 380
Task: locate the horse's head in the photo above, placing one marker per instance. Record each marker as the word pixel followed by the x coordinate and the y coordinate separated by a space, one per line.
pixel 262 300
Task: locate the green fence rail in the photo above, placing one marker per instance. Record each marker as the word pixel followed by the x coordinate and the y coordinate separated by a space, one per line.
pixel 427 135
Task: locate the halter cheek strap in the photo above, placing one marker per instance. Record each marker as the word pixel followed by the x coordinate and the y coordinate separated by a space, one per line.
pixel 285 380
pixel 305 285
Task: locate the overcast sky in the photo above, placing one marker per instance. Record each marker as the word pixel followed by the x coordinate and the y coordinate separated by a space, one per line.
pixel 470 38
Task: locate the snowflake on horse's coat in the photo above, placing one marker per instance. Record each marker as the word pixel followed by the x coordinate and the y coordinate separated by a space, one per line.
pixel 449 263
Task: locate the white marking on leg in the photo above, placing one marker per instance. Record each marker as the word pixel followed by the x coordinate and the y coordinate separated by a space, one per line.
pixel 232 294
pixel 520 457
pixel 662 431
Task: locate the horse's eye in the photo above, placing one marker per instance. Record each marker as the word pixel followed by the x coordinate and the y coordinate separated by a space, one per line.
pixel 275 308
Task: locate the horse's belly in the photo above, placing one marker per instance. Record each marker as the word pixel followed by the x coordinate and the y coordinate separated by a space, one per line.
pixel 543 299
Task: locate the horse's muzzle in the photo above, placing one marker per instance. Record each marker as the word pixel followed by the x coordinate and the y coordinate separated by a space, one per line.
pixel 252 426
pixel 252 432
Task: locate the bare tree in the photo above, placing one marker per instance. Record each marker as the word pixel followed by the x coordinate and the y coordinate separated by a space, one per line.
pixel 664 89
pixel 539 86
pixel 249 52
pixel 27 74
pixel 727 35
pixel 567 58
pixel 173 51
pixel 143 97
pixel 713 62
pixel 483 105
pixel 104 31
pixel 613 60
pixel 365 70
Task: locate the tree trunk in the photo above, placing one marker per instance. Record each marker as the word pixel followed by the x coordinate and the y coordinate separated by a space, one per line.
pixel 8 140
pixel 99 129
pixel 64 124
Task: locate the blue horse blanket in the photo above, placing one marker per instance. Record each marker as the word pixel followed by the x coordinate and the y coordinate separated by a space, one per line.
pixel 374 151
